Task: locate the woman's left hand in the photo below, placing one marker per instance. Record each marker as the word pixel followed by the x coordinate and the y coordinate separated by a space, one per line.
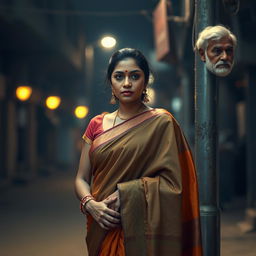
pixel 116 204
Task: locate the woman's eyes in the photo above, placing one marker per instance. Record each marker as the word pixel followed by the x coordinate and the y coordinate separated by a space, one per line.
pixel 120 77
pixel 135 76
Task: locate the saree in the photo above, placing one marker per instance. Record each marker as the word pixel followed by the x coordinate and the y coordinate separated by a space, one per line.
pixel 149 161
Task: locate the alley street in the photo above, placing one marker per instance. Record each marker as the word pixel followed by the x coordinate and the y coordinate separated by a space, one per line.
pixel 42 218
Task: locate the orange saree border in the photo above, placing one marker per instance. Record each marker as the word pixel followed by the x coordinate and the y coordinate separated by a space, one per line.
pixel 192 245
pixel 116 131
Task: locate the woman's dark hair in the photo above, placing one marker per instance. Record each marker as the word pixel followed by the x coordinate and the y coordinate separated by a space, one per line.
pixel 128 53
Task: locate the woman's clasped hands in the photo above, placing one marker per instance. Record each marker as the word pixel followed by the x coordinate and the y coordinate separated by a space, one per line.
pixel 106 212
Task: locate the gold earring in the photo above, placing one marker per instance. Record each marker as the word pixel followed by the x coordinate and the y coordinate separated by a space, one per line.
pixel 145 97
pixel 113 99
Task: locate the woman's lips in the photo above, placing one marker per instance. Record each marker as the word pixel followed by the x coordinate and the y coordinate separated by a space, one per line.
pixel 127 93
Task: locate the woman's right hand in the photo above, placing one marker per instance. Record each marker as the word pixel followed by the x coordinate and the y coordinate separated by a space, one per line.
pixel 106 217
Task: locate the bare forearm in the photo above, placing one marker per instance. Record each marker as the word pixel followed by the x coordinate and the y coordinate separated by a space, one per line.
pixel 82 188
pixel 83 177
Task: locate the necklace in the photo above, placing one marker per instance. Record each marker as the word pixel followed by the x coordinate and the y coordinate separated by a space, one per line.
pixel 120 116
pixel 123 119
pixel 114 123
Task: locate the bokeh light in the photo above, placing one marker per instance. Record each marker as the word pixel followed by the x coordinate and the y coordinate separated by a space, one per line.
pixel 108 42
pixel 81 111
pixel 23 92
pixel 176 104
pixel 53 102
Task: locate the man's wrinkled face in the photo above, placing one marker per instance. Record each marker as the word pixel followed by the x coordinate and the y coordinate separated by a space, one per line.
pixel 219 56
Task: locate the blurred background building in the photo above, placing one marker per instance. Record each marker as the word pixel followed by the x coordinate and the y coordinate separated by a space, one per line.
pixel 53 48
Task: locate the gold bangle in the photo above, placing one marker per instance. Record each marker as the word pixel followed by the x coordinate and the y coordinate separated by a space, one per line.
pixel 84 201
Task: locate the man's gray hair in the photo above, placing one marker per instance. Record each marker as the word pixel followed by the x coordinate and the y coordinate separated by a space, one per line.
pixel 213 33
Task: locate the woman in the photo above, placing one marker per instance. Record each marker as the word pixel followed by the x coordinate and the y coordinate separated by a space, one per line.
pixel 136 179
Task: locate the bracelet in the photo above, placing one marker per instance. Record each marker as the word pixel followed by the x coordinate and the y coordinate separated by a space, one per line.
pixel 84 201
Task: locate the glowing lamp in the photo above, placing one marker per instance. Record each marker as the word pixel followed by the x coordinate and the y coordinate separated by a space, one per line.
pixel 108 42
pixel 52 102
pixel 23 92
pixel 81 112
pixel 176 104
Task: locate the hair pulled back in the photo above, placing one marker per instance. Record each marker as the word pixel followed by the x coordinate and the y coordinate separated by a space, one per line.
pixel 128 53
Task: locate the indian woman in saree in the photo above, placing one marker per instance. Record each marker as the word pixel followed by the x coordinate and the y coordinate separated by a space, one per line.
pixel 136 179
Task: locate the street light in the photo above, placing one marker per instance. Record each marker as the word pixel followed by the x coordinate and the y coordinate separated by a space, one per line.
pixel 52 102
pixel 108 42
pixel 81 111
pixel 23 92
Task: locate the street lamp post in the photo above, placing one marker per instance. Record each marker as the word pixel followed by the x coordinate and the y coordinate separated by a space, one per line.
pixel 206 138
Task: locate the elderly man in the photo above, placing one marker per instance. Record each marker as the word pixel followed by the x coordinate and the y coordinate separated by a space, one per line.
pixel 215 46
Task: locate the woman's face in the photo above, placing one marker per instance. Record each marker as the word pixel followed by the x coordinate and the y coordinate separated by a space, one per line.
pixel 128 81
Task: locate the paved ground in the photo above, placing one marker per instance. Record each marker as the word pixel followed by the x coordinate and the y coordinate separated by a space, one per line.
pixel 233 241
pixel 42 218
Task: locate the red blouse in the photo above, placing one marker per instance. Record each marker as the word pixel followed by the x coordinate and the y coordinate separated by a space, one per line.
pixel 94 128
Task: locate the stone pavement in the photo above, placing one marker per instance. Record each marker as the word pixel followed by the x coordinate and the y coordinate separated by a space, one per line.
pixel 42 218
pixel 233 241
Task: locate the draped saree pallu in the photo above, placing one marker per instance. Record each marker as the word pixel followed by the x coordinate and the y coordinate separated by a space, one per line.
pixel 148 160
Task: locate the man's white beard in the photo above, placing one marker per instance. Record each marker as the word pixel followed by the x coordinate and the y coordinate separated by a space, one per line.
pixel 224 71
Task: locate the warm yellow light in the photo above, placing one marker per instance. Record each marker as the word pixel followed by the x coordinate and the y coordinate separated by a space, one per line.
pixel 152 96
pixel 52 102
pixel 81 111
pixel 23 92
pixel 108 42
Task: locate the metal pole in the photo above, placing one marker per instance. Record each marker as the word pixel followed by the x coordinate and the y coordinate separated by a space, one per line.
pixel 206 138
pixel 251 140
pixel 188 107
pixel 250 214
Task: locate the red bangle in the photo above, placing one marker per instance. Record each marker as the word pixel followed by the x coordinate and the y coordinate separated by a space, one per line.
pixel 84 201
